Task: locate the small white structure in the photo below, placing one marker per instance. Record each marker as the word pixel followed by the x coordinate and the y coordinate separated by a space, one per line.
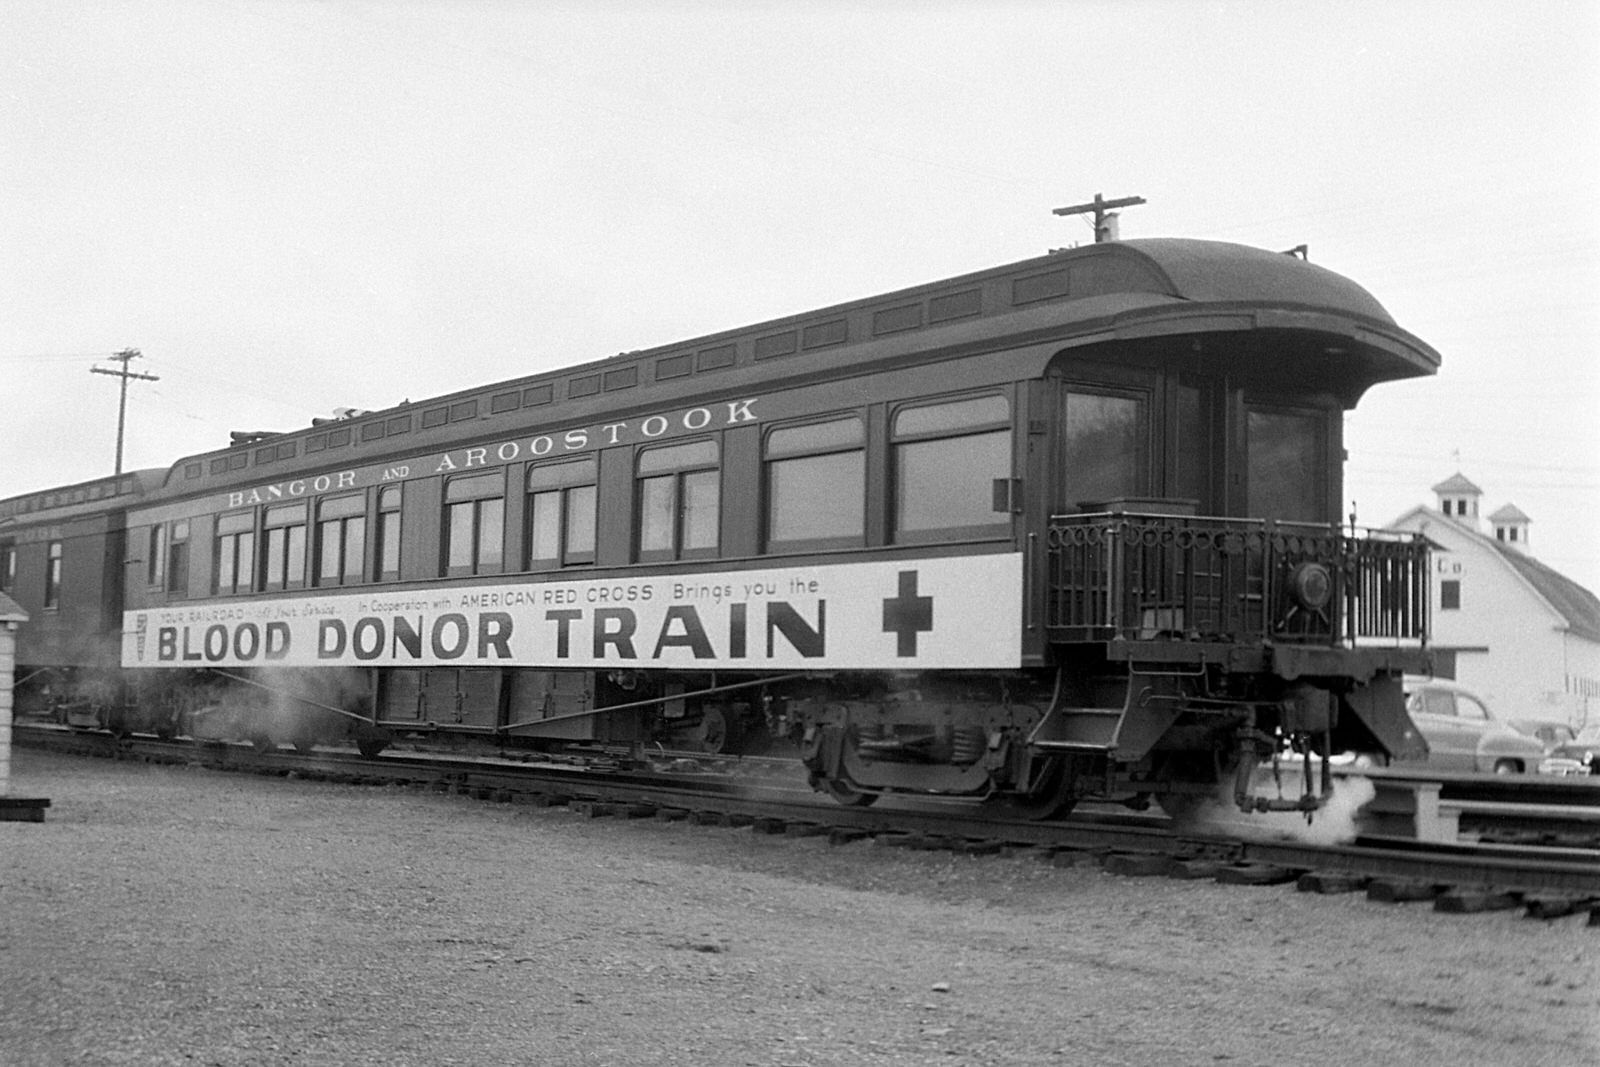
pixel 1510 527
pixel 1519 632
pixel 11 616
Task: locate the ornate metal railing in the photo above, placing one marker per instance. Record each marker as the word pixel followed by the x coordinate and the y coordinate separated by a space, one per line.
pixel 1182 578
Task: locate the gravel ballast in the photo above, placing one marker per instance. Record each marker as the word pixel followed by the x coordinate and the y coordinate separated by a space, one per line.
pixel 179 915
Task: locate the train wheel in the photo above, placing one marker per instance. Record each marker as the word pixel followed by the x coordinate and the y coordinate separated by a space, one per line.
pixel 263 743
pixel 715 735
pixel 843 791
pixel 369 747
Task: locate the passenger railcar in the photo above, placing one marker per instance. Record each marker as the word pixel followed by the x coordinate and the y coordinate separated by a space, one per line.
pixel 62 556
pixel 1068 527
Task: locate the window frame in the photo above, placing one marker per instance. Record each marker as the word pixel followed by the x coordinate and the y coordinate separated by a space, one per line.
pixel 156 556
pixel 1321 477
pixel 178 558
pixel 341 524
pixel 387 533
pixel 241 545
pixel 282 552
pixel 54 551
pixel 488 499
pixel 559 484
pixel 902 442
pixel 1144 395
pixel 791 458
pixel 1449 594
pixel 681 479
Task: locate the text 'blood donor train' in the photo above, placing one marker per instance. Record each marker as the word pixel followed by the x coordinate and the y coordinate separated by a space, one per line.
pixel 860 616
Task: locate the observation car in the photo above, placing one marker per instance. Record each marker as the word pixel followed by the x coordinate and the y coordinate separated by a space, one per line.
pixel 1065 528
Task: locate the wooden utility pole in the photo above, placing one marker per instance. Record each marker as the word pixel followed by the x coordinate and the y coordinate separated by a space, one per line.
pixel 122 403
pixel 1104 230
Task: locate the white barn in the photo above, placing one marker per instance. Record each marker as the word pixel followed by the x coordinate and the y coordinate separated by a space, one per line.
pixel 1519 632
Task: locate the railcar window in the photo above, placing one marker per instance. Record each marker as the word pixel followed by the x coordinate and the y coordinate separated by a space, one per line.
pixel 52 576
pixel 1286 470
pixel 475 524
pixel 341 539
pixel 234 564
pixel 816 485
pixel 156 556
pixel 562 500
pixel 946 459
pixel 1107 446
pixel 178 559
pixel 283 564
pixel 387 564
pixel 678 501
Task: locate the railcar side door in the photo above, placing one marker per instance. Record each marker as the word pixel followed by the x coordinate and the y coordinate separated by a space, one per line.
pixel 1105 416
pixel 1140 436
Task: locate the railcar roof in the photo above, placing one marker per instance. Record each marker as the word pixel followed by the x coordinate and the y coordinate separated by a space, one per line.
pixel 91 496
pixel 1215 271
pixel 1145 287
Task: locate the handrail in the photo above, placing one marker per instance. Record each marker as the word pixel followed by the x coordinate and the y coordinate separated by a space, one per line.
pixel 1136 576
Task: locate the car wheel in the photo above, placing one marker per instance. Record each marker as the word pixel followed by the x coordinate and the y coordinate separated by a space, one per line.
pixel 1506 766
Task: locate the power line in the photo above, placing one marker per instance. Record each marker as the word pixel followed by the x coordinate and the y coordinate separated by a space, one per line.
pixel 49 357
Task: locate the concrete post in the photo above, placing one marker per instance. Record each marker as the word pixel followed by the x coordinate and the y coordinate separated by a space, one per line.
pixel 12 809
pixel 8 659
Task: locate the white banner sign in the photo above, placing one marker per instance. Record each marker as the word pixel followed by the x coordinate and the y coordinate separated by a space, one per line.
pixel 954 612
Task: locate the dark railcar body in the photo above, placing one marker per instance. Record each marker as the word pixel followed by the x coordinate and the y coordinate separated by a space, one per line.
pixel 1067 527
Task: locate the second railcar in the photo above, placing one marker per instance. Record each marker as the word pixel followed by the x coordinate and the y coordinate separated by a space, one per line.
pixel 62 560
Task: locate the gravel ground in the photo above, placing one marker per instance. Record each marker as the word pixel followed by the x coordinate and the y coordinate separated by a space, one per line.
pixel 172 915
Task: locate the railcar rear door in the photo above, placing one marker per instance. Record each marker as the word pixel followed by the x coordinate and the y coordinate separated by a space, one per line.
pixel 1287 472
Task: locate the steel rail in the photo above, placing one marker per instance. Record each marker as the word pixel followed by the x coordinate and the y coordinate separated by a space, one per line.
pixel 780 802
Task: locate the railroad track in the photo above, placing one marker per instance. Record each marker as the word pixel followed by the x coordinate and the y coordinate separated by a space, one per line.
pixel 1545 878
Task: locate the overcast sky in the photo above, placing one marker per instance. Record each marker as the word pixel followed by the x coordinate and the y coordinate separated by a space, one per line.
pixel 294 207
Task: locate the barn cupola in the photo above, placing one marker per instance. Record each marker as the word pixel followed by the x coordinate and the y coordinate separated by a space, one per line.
pixel 1511 527
pixel 1458 499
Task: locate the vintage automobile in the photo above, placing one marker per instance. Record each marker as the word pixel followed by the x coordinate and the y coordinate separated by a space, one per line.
pixel 1559 760
pixel 1462 733
pixel 1580 749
